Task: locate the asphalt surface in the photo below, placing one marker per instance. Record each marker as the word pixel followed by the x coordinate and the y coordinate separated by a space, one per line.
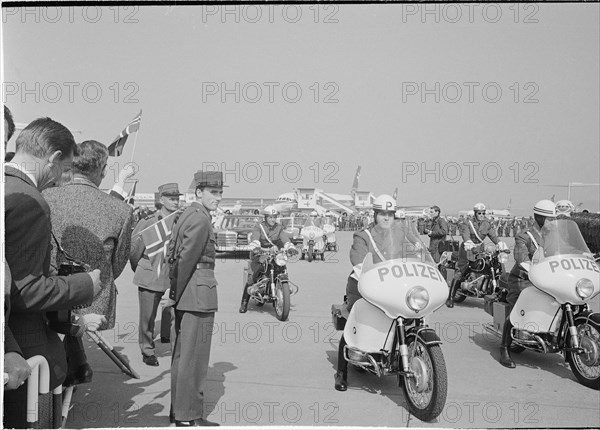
pixel 264 372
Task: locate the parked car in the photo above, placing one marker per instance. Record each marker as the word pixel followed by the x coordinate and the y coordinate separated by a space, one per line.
pixel 233 232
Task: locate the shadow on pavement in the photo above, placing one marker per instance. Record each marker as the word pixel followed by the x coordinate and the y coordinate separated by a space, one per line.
pixel 553 363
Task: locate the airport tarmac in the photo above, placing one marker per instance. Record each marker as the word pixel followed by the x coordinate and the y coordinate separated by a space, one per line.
pixel 264 372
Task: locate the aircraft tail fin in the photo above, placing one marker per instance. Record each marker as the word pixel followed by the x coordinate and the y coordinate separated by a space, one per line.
pixel 355 183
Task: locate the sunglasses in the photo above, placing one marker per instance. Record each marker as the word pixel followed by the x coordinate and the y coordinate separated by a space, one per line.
pixel 479 212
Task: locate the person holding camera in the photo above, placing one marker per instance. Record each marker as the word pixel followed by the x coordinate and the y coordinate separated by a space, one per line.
pixel 95 228
pixel 44 149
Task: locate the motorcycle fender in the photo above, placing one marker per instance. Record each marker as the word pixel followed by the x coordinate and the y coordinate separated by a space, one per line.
pixel 535 311
pixel 427 335
pixel 367 328
pixel 283 277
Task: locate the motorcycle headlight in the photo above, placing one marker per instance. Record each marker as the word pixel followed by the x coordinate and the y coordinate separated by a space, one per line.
pixel 311 235
pixel 417 298
pixel 281 259
pixel 503 258
pixel 584 288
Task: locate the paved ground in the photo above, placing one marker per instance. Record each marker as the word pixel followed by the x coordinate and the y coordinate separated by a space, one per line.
pixel 265 372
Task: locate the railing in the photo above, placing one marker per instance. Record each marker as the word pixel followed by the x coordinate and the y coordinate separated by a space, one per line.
pixel 38 384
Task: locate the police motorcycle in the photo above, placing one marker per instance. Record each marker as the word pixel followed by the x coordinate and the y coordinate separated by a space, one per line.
pixel 313 244
pixel 385 332
pixel 486 266
pixel 273 286
pixel 554 315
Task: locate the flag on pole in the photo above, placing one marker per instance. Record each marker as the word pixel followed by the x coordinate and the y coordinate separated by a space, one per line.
pixel 115 149
pixel 156 237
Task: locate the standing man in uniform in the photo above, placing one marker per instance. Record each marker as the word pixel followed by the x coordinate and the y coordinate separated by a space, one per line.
pixel 194 293
pixel 151 285
pixel 473 233
pixel 437 233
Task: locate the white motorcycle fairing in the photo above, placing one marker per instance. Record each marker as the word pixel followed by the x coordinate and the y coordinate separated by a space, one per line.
pixel 367 328
pixel 559 274
pixel 535 311
pixel 387 285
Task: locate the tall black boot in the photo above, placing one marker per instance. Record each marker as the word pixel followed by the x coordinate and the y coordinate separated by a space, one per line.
pixel 341 376
pixel 453 286
pixel 505 358
pixel 245 298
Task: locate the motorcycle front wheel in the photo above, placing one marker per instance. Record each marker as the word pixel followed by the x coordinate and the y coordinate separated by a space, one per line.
pixel 310 253
pixel 586 366
pixel 282 300
pixel 426 391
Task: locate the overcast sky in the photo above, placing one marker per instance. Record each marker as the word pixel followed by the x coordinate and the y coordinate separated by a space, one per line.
pixel 453 104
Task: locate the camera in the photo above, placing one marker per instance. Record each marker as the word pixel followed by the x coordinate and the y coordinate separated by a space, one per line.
pixel 61 321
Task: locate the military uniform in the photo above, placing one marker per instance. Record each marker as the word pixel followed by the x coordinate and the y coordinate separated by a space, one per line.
pixel 151 285
pixel 194 291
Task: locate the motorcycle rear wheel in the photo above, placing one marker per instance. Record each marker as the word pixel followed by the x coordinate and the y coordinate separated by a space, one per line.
pixel 426 393
pixel 586 366
pixel 282 300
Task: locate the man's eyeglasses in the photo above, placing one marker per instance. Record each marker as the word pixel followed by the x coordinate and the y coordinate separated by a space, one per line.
pixel 479 212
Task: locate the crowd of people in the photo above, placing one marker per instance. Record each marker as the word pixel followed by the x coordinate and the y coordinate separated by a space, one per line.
pixel 67 241
pixel 58 219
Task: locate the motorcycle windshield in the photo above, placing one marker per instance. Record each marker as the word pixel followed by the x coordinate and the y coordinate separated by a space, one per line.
pixel 560 237
pixel 314 221
pixel 403 242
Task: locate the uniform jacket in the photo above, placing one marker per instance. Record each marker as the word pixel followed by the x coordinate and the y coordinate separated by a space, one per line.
pixel 524 250
pixel 484 228
pixel 361 245
pixel 439 231
pixel 33 291
pixel 145 275
pixel 275 234
pixel 96 228
pixel 193 288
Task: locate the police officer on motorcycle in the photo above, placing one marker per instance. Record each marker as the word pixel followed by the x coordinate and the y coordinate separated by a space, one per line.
pixel 473 233
pixel 564 207
pixel 373 239
pixel 268 234
pixel 526 243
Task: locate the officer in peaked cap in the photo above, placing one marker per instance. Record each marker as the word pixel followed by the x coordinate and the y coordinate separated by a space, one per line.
pixel 152 283
pixel 194 296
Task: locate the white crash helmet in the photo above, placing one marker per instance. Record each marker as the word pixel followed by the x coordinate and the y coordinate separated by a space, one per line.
pixel 564 207
pixel 384 202
pixel 314 213
pixel 545 208
pixel 478 207
pixel 400 214
pixel 270 211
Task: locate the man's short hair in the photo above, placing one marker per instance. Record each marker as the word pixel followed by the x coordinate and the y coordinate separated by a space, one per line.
pixel 91 158
pixel 10 123
pixel 436 208
pixel 43 136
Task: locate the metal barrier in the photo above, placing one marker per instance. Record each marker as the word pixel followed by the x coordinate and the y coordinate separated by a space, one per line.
pixel 38 387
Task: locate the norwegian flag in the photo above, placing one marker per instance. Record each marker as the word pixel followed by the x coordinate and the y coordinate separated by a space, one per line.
pixel 115 149
pixel 156 237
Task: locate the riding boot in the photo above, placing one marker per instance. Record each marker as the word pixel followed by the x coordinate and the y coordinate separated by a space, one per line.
pixel 341 376
pixel 245 298
pixel 450 300
pixel 505 358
